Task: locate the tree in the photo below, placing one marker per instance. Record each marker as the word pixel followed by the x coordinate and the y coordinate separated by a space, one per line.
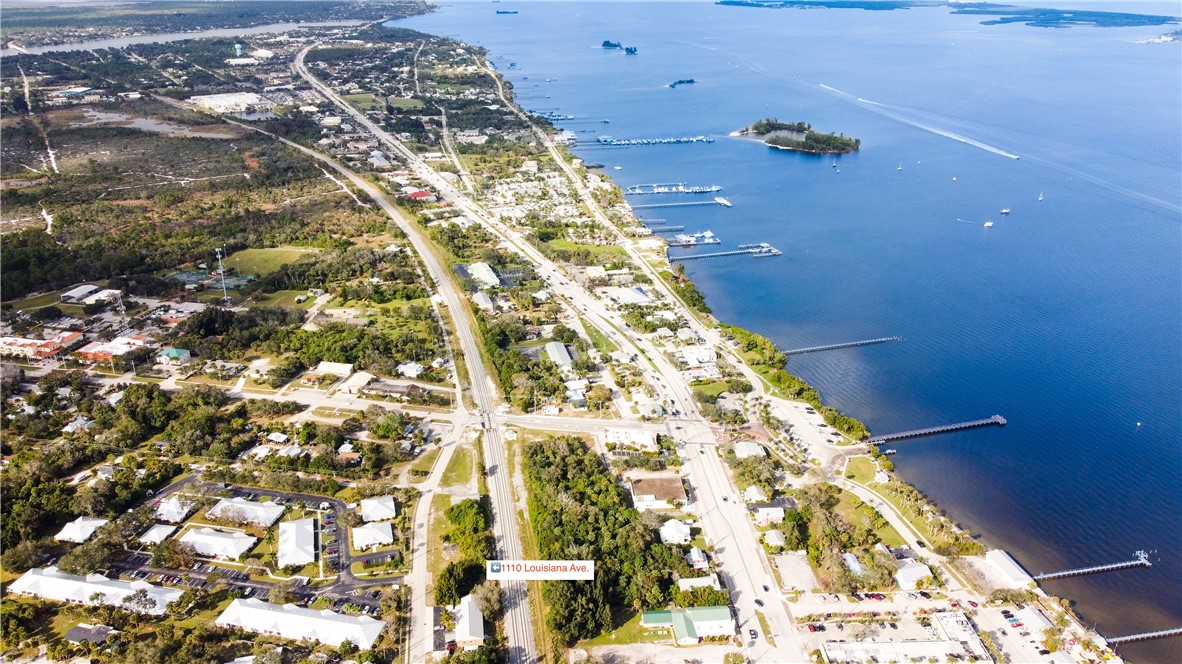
pixel 598 396
pixel 457 580
pixel 702 596
pixel 282 593
pixel 488 596
pixel 173 553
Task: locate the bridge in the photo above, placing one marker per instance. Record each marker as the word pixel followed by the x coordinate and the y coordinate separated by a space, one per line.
pixel 944 428
pixel 848 344
pixel 1140 559
pixel 1144 636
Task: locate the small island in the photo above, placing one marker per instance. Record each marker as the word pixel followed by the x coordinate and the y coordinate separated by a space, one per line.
pixel 800 137
pixel 607 43
pixel 682 81
pixel 630 50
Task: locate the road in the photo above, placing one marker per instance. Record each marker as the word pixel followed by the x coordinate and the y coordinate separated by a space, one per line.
pixel 518 624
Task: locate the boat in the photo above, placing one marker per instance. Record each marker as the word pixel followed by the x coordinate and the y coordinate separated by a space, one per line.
pixel 722 201
pixel 989 224
pixel 1005 210
pixel 618 168
pixel 835 163
pixel 500 11
pixel 1040 195
pixel 900 167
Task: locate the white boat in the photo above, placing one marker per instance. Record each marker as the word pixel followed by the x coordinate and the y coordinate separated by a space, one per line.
pixel 618 168
pixel 900 167
pixel 989 224
pixel 1005 210
pixel 722 201
pixel 835 163
pixel 1040 195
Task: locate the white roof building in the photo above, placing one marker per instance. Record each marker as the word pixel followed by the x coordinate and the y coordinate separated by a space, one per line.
pixel 697 558
pixel 341 369
pixel 852 563
pixel 754 494
pixel 79 530
pixel 357 381
pixel 469 623
pixel 217 544
pixel 371 535
pixel 774 538
pixel 157 534
pixel 558 354
pixel 645 441
pixel 746 448
pixel 297 543
pixel 698 355
pixel 79 292
pixel 300 624
pixel 410 369
pixel 381 508
pixel 1033 618
pixel 483 301
pixel 911 573
pixel 768 516
pixel 246 511
pixel 49 583
pixel 174 509
pixel 1009 572
pixel 701 582
pixel 675 532
pixel 484 275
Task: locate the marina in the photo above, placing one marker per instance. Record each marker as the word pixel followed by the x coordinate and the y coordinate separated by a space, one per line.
pixel 670 188
pixel 695 239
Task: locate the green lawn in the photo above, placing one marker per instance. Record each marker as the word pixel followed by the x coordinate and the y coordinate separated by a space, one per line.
pixel 609 251
pixel 853 510
pixel 264 261
pixel 629 631
pixel 39 301
pixel 404 102
pixel 459 469
pixel 283 298
pixel 437 524
pixel 711 389
pixel 599 339
pixel 862 468
pixel 363 102
pixel 424 464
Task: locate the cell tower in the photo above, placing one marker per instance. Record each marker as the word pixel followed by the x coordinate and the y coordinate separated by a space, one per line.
pixel 222 271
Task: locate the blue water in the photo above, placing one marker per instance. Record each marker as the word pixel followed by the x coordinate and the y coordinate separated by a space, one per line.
pixel 1065 316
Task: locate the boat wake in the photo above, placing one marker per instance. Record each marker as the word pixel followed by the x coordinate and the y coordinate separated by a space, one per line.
pixel 881 109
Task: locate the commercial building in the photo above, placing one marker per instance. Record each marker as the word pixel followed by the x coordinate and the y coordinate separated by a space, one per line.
pixel 643 441
pixel 371 535
pixel 746 449
pixel 768 516
pixel 78 293
pixel 700 582
pixel 558 354
pixel 217 544
pixel 102 351
pixel 657 493
pixel 174 509
pixel 174 356
pixel 692 625
pixel 40 348
pixel 1007 571
pixel 300 624
pixel 911 574
pixel 157 534
pixel 297 543
pixel 380 508
pixel 91 590
pixel 240 510
pixel 484 275
pixel 230 102
pixel 469 633
pixel 79 530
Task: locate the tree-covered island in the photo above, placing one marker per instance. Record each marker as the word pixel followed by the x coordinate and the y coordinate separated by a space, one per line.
pixel 800 137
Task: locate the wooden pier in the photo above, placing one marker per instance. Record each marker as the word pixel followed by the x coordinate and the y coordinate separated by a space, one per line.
pixel 848 344
pixel 1140 559
pixel 931 431
pixel 1144 636
pixel 679 204
pixel 758 250
pixel 667 229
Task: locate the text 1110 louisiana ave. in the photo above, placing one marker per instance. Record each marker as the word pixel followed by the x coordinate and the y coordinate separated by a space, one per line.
pixel 541 570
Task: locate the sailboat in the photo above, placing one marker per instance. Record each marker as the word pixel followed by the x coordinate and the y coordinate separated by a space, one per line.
pixel 900 167
pixel 835 162
pixel 1040 195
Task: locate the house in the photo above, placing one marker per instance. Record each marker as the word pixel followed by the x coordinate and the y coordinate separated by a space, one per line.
pixel 768 516
pixel 157 534
pixel 91 590
pixel 469 623
pixel 852 563
pixel 700 582
pixel 911 573
pixel 643 441
pixel 277 437
pixel 692 625
pixel 774 538
pixel 174 356
pixel 558 354
pixel 240 510
pixel 87 633
pixel 754 494
pixel 410 370
pixel 297 543
pixel 675 532
pixel 217 544
pixel 657 493
pixel 1008 572
pixel 697 559
pixel 746 449
pixel 347 453
pixel 174 509
pixel 371 535
pixel 381 508
pixel 79 530
pixel 77 424
pixel 424 196
pixel 301 624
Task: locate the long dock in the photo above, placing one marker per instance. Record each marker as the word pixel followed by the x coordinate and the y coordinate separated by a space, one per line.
pixel 945 428
pixel 667 229
pixel 758 250
pixel 1140 559
pixel 679 204
pixel 848 344
pixel 608 140
pixel 670 188
pixel 1144 636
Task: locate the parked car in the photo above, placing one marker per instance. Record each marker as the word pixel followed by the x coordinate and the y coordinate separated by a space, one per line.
pixel 759 602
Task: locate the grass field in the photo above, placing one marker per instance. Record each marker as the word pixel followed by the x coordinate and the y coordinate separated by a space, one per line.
pixel 264 261
pixel 599 250
pixel 283 298
pixel 711 389
pixel 628 631
pixel 401 103
pixel 862 469
pixel 601 342
pixel 39 301
pixel 437 525
pixel 858 513
pixel 459 469
pixel 364 102
pixel 424 464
